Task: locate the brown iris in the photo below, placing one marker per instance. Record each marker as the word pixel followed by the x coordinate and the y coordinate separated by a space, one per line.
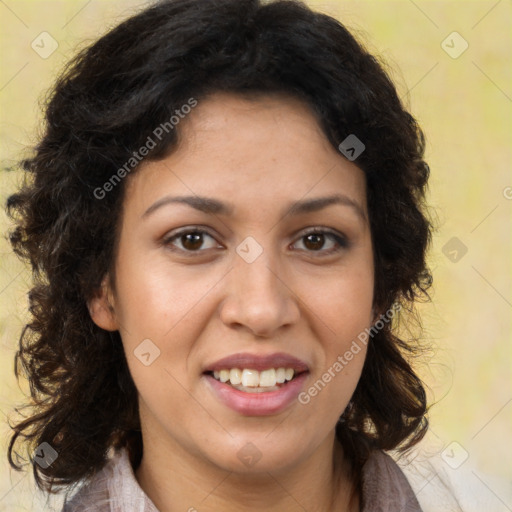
pixel 317 241
pixel 192 241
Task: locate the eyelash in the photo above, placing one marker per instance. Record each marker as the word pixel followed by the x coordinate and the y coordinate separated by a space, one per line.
pixel 339 239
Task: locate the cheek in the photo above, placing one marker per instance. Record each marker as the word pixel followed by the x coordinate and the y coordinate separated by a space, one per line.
pixel 156 297
pixel 160 313
pixel 341 311
pixel 342 303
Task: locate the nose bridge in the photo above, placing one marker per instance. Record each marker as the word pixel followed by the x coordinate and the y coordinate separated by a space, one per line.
pixel 260 277
pixel 257 295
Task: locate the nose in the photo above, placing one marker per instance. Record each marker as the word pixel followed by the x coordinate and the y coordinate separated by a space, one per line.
pixel 259 298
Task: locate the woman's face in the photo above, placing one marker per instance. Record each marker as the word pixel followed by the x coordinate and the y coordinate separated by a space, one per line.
pixel 217 271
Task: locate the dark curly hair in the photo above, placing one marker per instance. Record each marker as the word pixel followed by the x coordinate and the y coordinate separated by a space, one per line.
pixel 104 105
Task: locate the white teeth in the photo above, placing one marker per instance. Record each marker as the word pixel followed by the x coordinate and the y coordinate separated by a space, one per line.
pixel 268 378
pixel 249 378
pixel 280 375
pixel 235 376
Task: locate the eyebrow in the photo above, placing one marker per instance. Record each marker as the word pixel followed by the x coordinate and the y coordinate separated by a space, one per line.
pixel 213 206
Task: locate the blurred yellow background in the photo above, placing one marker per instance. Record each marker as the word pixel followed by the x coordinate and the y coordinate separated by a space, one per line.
pixel 462 98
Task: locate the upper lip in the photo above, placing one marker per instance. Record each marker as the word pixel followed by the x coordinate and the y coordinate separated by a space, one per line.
pixel 258 362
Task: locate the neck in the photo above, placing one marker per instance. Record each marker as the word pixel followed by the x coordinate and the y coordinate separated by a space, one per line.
pixel 175 480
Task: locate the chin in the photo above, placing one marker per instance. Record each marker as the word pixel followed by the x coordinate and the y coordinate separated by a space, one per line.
pixel 259 455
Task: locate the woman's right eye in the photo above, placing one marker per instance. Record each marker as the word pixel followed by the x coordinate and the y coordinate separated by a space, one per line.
pixel 189 240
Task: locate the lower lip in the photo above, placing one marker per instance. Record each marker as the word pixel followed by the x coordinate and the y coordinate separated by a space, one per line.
pixel 257 404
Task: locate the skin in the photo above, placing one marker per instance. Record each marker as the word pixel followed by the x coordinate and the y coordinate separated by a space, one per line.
pixel 261 156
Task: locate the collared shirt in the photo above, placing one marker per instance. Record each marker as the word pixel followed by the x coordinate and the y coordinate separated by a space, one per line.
pixel 115 489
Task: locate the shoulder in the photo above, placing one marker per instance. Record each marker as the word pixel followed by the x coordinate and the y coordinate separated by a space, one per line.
pixel 443 486
pixel 384 486
pixel 113 489
pixel 92 495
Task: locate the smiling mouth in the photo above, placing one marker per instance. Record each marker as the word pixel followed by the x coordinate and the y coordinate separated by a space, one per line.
pixel 253 381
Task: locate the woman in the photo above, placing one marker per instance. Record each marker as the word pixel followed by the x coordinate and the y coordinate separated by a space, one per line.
pixel 224 216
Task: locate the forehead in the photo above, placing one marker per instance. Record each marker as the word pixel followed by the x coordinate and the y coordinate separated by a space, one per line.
pixel 219 109
pixel 247 150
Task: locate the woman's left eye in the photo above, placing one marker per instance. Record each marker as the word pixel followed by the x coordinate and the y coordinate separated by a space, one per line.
pixel 317 240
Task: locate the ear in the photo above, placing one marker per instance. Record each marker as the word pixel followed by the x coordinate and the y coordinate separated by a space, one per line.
pixel 101 307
